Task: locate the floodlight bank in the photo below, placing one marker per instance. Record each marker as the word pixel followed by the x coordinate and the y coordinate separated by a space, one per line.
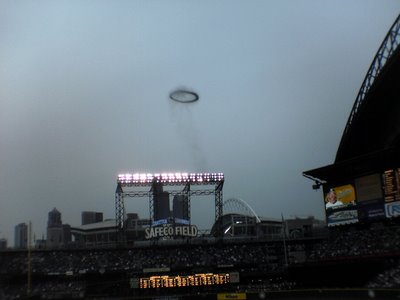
pixel 146 178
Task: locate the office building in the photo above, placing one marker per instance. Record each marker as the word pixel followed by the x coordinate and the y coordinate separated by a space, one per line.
pixel 3 244
pixel 90 217
pixel 21 236
pixel 180 209
pixel 58 234
pixel 160 205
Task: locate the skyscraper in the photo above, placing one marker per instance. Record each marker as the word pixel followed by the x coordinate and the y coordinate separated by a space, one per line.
pixel 54 219
pixel 160 205
pixel 21 236
pixel 3 244
pixel 90 217
pixel 180 209
pixel 54 229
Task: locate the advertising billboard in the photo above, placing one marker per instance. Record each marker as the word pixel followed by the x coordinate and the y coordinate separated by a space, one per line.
pixel 370 197
pixel 340 204
pixel 369 189
pixel 367 198
pixel 337 196
pixel 392 209
pixel 371 212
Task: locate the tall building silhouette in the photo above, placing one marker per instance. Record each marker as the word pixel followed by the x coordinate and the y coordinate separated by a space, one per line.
pixel 67 235
pixel 3 244
pixel 21 236
pixel 180 209
pixel 90 217
pixel 58 235
pixel 54 219
pixel 160 204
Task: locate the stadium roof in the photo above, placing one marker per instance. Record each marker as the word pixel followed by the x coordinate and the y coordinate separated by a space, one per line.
pixel 374 121
pixel 371 139
pixel 106 224
pixel 358 166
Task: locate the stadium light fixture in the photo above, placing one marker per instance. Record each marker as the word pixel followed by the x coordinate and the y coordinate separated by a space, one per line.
pixel 146 178
pixel 316 186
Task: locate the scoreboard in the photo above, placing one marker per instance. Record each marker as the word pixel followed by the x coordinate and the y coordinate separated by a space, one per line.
pixel 177 281
pixel 391 185
pixel 371 197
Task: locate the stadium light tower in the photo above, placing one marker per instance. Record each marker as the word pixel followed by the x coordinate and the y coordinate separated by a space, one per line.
pixel 146 185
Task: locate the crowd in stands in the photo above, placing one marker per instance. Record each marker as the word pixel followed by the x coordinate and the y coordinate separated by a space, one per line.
pixel 54 289
pixel 270 284
pixel 133 260
pixel 350 242
pixel 390 278
pixel 67 267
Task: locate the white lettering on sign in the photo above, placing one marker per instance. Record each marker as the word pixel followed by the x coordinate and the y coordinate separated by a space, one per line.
pixel 168 231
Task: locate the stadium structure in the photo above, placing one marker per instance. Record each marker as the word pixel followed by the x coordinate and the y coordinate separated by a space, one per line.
pixel 171 226
pixel 365 177
pixel 359 258
pixel 184 186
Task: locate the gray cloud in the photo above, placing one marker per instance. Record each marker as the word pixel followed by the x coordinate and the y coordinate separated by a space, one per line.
pixel 84 96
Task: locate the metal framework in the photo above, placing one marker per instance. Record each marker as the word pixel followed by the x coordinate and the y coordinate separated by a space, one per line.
pixel 145 187
pixel 385 52
pixel 240 206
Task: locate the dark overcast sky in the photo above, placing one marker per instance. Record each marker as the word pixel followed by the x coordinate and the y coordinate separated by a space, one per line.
pixel 84 91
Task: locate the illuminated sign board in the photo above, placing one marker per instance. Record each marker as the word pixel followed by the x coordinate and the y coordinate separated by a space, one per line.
pixel 170 231
pixel 340 217
pixel 232 296
pixel 340 196
pixel 340 205
pixel 390 179
pixel 166 281
pixel 367 198
pixel 392 209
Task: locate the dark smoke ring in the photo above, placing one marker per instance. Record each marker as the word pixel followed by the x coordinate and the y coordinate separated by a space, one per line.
pixel 183 96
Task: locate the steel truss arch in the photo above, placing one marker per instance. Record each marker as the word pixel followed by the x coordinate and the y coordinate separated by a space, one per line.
pixel 242 207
